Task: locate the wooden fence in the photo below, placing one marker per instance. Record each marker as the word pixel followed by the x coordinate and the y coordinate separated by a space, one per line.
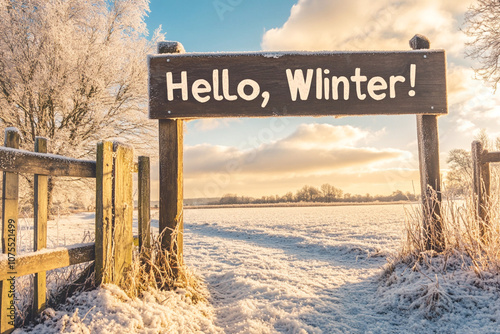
pixel 112 250
pixel 481 160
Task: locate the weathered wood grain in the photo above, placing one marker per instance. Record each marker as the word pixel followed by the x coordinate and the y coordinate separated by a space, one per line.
pixel 481 185
pixel 491 157
pixel 10 203
pixel 430 180
pixel 171 186
pixel 20 161
pixel 48 260
pixel 269 71
pixel 104 211
pixel 430 173
pixel 30 263
pixel 123 207
pixel 40 231
pixel 171 138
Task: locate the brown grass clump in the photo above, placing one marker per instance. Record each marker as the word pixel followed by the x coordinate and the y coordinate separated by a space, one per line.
pixel 462 234
pixel 154 269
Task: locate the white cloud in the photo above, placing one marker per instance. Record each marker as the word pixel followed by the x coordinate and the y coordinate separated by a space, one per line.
pixel 312 148
pixel 371 25
pixel 324 135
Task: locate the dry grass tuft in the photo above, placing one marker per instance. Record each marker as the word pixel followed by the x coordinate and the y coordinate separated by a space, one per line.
pixel 433 300
pixel 154 269
pixel 462 234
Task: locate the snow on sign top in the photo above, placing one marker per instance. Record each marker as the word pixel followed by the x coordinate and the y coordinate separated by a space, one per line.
pixel 266 84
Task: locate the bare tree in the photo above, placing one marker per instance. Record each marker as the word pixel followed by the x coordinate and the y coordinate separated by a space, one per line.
pixel 482 24
pixel 75 72
pixel 307 194
pixel 330 193
pixel 459 176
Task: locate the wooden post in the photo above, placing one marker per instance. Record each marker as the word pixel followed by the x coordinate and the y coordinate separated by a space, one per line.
pixel 40 235
pixel 171 177
pixel 10 203
pixel 114 212
pixel 430 178
pixel 104 212
pixel 144 204
pixel 481 185
pixel 123 207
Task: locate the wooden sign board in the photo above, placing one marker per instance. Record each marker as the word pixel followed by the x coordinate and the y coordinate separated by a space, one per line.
pixel 191 85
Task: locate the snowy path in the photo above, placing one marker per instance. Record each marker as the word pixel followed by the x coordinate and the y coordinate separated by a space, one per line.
pixel 294 270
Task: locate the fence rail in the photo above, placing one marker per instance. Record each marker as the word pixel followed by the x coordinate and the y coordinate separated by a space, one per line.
pixel 30 263
pixel 21 161
pixel 50 259
pixel 112 251
pixel 491 157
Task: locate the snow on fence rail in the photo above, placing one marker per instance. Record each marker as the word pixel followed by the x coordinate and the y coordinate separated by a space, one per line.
pixel 19 161
pixel 481 160
pixel 112 250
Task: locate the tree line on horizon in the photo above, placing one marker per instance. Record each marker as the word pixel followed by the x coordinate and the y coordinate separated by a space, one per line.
pixel 324 194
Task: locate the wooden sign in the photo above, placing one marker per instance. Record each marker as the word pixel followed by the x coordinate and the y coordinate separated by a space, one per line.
pixel 192 85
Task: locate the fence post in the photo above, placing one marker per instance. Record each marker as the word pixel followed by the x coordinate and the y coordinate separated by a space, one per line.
pixel 114 240
pixel 123 208
pixel 10 206
pixel 481 185
pixel 144 204
pixel 430 178
pixel 40 232
pixel 171 178
pixel 104 211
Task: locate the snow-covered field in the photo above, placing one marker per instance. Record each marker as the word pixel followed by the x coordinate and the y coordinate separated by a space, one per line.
pixel 293 270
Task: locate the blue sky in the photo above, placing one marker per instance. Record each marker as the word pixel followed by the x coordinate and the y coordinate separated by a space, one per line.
pixel 207 25
pixel 252 25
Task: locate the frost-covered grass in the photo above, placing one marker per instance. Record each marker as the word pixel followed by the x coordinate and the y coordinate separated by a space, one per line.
pixel 462 234
pixel 462 282
pixel 153 270
pixel 443 291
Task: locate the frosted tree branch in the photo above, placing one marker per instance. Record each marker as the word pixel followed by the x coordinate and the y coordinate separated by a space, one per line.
pixel 483 27
pixel 75 72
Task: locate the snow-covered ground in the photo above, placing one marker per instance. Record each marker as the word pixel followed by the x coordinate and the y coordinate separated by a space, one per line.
pixel 294 270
